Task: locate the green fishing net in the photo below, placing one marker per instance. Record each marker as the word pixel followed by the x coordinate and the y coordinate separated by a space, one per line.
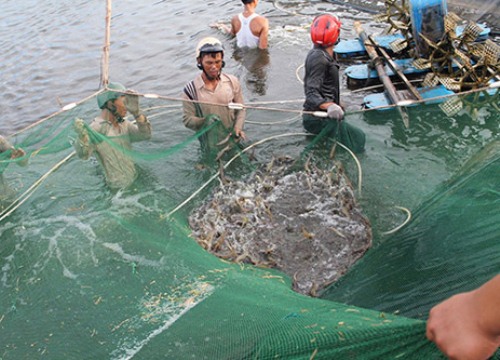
pixel 89 272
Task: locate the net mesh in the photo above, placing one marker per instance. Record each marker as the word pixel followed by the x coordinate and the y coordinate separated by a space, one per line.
pixel 91 272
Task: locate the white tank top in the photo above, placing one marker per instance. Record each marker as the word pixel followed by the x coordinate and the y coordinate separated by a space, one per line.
pixel 245 37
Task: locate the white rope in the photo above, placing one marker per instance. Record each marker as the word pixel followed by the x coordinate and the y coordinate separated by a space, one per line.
pixel 161 113
pixel 299 111
pixel 162 107
pixel 64 109
pixel 252 146
pixel 297 74
pixel 275 102
pixel 408 218
pixel 292 119
pixel 27 194
pixel 358 164
pixel 228 163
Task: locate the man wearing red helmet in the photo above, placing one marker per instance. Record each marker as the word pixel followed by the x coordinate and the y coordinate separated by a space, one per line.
pixel 321 85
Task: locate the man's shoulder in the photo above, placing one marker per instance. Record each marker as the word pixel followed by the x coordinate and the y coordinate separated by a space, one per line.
pixel 319 54
pixel 262 20
pixel 99 124
pixel 229 78
pixel 197 81
pixel 98 120
pixel 193 85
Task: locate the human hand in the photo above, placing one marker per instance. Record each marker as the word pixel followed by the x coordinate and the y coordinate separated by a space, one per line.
pixel 221 27
pixel 455 326
pixel 81 131
pixel 17 153
pixel 240 134
pixel 211 118
pixel 132 103
pixel 335 112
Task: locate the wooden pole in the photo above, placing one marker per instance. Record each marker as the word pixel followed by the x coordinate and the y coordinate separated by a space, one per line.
pixel 379 66
pixel 105 53
pixel 397 70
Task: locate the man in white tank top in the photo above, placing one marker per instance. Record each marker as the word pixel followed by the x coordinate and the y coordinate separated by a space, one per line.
pixel 251 30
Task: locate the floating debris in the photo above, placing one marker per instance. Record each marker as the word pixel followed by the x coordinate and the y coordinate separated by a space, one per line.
pixel 305 223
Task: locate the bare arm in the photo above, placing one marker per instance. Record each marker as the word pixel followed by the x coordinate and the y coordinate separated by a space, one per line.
pixel 467 325
pixel 16 153
pixel 141 130
pixel 82 144
pixel 227 30
pixel 264 33
pixel 240 114
pixel 235 25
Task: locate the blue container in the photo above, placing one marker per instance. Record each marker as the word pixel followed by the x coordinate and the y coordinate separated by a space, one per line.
pixel 427 17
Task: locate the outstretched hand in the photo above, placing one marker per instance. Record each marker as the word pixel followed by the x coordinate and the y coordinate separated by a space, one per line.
pixel 240 134
pixel 221 27
pixel 334 111
pixel 81 131
pixel 132 103
pixel 462 326
pixel 19 153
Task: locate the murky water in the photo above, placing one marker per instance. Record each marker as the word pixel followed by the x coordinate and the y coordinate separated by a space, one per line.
pixel 51 50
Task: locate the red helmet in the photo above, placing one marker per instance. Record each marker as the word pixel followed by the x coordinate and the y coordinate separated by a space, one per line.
pixel 325 30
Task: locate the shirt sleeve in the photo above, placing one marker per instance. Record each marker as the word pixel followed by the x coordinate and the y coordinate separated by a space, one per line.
pixel 189 115
pixel 238 98
pixel 96 129
pixel 84 148
pixel 139 131
pixel 316 67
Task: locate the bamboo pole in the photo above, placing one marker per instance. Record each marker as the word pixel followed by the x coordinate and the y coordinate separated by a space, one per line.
pixel 105 54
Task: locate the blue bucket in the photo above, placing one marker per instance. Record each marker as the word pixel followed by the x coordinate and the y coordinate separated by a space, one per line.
pixel 427 17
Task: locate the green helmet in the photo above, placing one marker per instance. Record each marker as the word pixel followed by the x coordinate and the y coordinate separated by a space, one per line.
pixel 107 95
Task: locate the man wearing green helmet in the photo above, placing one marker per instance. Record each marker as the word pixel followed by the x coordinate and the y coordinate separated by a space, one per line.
pixel 110 135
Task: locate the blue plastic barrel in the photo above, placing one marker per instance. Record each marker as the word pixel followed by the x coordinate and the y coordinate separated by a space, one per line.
pixel 427 17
